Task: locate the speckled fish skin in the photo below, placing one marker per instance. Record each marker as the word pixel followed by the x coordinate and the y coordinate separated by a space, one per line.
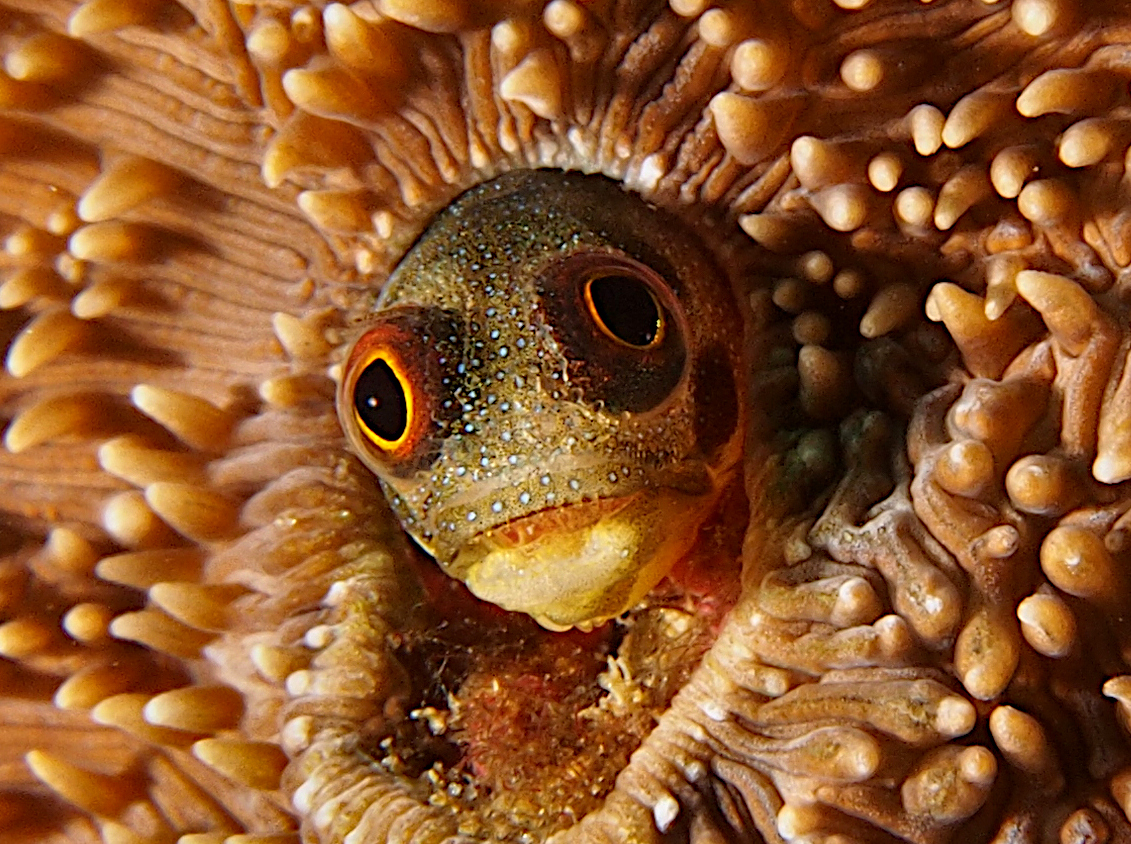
pixel 540 412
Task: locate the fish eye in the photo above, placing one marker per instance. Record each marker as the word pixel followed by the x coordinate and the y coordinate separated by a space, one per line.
pixel 394 397
pixel 624 307
pixel 382 402
pixel 621 324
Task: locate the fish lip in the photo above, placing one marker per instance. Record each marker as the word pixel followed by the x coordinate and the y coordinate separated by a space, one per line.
pixel 446 530
pixel 529 528
pixel 691 475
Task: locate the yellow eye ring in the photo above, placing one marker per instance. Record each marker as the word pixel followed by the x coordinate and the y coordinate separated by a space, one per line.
pixel 383 400
pixel 625 309
pixel 395 397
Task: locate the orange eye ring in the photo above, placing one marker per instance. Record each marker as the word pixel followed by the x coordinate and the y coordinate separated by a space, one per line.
pixel 383 400
pixel 621 324
pixel 625 309
pixel 395 397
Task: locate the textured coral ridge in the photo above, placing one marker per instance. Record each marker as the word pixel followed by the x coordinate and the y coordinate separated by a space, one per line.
pixel 212 631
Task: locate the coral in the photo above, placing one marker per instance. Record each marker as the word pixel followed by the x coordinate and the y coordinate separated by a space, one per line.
pixel 212 629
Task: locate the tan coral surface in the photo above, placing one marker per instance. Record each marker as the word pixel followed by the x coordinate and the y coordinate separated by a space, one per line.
pixel 212 631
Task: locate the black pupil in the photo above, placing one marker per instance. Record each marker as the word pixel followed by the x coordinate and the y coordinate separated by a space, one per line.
pixel 626 308
pixel 380 401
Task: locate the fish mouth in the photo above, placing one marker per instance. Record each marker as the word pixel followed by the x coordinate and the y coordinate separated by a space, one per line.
pixel 578 565
pixel 522 530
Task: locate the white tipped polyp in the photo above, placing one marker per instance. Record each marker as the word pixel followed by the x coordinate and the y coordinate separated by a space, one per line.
pixel 865 761
pixel 714 710
pixel 856 603
pixel 325 814
pixel 336 593
pixel 695 771
pixel 1035 17
pixel 298 683
pixel 296 734
pixel 980 682
pixel 1110 469
pixel 978 766
pixel 895 635
pixel 318 637
pixel 652 169
pixel 665 812
pixel 954 717
pixel 794 820
pixel 303 797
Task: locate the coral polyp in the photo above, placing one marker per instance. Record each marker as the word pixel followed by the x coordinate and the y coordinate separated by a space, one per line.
pixel 903 619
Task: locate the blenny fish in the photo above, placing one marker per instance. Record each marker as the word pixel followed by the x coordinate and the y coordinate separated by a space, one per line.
pixel 547 389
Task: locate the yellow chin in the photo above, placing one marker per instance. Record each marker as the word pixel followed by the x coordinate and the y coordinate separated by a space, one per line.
pixel 580 565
